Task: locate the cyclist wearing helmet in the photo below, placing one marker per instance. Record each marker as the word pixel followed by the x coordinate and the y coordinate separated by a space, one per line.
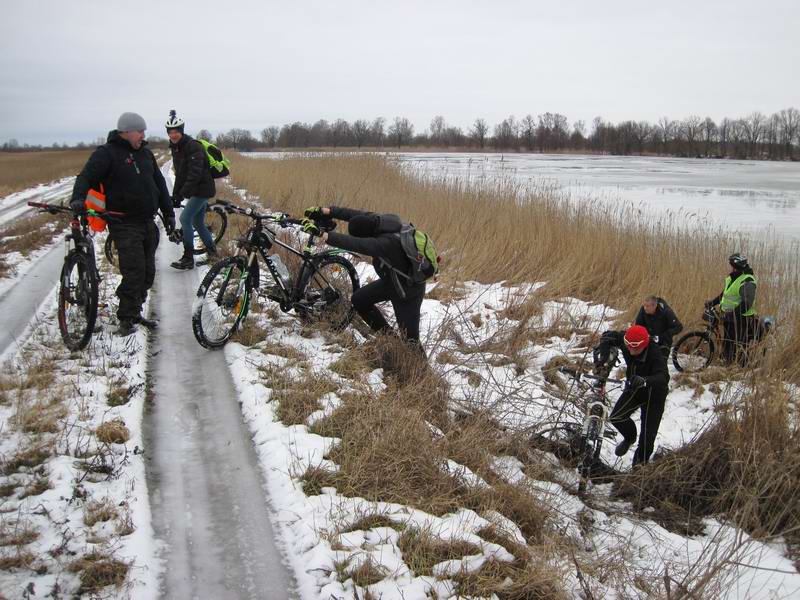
pixel 192 181
pixel 737 302
pixel 646 388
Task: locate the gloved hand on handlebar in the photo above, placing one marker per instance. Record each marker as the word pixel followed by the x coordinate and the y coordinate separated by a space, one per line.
pixel 77 206
pixel 600 357
pixel 310 227
pixel 637 381
pixel 176 201
pixel 313 212
pixel 170 224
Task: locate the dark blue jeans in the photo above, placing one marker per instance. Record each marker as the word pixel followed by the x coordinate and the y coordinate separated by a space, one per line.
pixel 193 218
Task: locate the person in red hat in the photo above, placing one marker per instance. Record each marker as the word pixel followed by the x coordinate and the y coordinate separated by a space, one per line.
pixel 646 387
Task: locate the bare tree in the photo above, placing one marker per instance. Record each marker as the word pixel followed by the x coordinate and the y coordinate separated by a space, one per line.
pixel 527 130
pixel 578 137
pixel 269 136
pixel 360 131
pixel 665 131
pixel 438 127
pixel 641 131
pixel 401 131
pixel 753 130
pixel 691 130
pixel 204 134
pixel 340 132
pixel 709 135
pixel 377 131
pixel 478 132
pixel 506 133
pixel 790 126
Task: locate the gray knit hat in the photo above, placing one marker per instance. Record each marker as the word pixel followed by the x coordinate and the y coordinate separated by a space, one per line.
pixel 131 121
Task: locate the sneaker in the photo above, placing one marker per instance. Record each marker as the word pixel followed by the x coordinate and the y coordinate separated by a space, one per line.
pixel 125 328
pixel 186 263
pixel 623 447
pixel 149 323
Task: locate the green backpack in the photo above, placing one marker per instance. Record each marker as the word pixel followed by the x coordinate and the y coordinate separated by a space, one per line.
pixel 418 248
pixel 220 166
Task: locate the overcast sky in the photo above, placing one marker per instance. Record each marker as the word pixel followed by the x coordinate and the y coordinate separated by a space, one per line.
pixel 69 68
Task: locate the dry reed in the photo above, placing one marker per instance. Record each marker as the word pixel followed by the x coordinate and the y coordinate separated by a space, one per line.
pixel 20 170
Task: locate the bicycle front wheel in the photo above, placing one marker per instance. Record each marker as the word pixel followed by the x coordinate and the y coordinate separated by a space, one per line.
pixel 77 302
pixel 693 352
pixel 222 302
pixel 110 251
pixel 328 290
pixel 216 223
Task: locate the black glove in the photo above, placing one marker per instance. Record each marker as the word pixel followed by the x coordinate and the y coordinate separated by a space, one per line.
pixel 77 206
pixel 176 201
pixel 313 212
pixel 170 224
pixel 310 227
pixel 637 381
pixel 708 304
pixel 600 357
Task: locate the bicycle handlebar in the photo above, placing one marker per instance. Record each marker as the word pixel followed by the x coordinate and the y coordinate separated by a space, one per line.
pixel 580 374
pixel 279 218
pixel 87 212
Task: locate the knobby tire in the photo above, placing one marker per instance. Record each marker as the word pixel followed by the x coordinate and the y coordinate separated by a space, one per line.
pixel 693 352
pixel 330 285
pixel 77 301
pixel 222 302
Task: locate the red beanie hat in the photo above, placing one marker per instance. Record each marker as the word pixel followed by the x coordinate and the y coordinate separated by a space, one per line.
pixel 637 337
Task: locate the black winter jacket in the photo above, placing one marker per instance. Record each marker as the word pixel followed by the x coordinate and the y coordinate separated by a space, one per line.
pixel 192 171
pixel 382 247
pixel 650 364
pixel 132 180
pixel 663 323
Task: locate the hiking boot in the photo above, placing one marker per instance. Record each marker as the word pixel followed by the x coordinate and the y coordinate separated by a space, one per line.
pixel 125 328
pixel 185 263
pixel 149 323
pixel 623 447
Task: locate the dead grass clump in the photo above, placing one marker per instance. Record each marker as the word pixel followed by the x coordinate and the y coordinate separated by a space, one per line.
pixel 511 581
pixel 353 364
pixel 7 489
pixel 743 466
pixel 364 575
pixel 422 550
pixel 250 332
pixel 283 350
pixel 15 534
pixel 21 559
pixel 32 456
pixel 551 369
pixel 39 486
pixel 97 570
pixel 301 398
pixel 119 395
pixel 316 478
pixel 529 513
pixel 113 432
pixel 99 511
pixel 41 417
pixel 370 522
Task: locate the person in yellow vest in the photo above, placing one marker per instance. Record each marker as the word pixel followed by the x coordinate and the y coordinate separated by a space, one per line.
pixel 737 302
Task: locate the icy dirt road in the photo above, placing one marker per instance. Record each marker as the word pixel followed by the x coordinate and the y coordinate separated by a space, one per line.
pixel 20 301
pixel 208 501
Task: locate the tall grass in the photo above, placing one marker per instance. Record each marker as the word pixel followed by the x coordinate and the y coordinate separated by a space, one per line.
pixel 20 170
pixel 745 466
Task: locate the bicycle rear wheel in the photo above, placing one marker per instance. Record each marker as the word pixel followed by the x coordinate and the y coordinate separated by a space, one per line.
pixel 328 290
pixel 216 223
pixel 693 352
pixel 77 302
pixel 222 302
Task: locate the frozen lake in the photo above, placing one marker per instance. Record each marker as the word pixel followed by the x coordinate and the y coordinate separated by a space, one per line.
pixel 758 197
pixel 752 197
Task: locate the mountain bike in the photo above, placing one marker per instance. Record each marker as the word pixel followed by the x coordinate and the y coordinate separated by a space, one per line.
pixel 80 277
pixel 320 291
pixel 581 442
pixel 697 349
pixel 216 222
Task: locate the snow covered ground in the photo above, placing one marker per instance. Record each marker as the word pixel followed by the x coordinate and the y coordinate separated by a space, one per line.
pixel 107 382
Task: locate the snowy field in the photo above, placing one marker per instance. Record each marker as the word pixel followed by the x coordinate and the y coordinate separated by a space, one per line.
pixel 84 472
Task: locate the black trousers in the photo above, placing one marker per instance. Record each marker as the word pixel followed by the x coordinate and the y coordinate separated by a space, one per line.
pixel 737 333
pixel 652 401
pixel 406 311
pixel 136 249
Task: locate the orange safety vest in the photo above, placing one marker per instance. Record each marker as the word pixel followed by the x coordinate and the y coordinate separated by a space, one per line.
pixel 96 200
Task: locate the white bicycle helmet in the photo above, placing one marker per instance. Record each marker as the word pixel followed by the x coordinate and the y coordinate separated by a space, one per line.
pixel 174 121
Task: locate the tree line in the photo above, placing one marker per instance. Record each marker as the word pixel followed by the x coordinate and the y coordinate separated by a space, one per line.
pixel 756 136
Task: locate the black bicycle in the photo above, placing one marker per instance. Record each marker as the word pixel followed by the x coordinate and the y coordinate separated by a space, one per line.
pixel 581 442
pixel 80 277
pixel 216 222
pixel 321 290
pixel 697 349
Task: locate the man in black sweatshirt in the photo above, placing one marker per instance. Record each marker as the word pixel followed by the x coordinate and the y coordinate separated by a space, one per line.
pixel 388 257
pixel 659 319
pixel 135 186
pixel 646 388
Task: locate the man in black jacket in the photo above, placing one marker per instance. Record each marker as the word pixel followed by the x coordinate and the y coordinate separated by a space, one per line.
pixel 659 319
pixel 387 254
pixel 135 186
pixel 193 181
pixel 646 388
